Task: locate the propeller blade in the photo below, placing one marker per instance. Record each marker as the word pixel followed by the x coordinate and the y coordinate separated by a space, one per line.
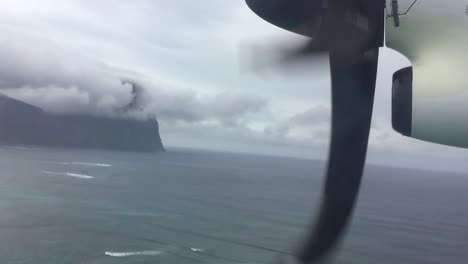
pixel 343 27
pixel 351 31
pixel 353 87
pixel 258 58
pixel 298 16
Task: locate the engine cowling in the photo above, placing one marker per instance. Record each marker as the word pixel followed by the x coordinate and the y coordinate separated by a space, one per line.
pixel 430 99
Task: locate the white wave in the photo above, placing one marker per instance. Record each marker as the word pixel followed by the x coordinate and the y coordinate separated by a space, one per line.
pixel 87 164
pixel 196 249
pixel 136 253
pixel 75 175
pixel 81 176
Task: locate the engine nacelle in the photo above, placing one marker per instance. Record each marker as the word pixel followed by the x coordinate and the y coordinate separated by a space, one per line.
pixel 435 118
pixel 430 99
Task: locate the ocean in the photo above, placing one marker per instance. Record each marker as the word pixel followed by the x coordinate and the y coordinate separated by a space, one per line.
pixel 187 206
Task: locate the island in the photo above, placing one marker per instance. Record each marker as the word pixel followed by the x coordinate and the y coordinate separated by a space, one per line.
pixel 25 124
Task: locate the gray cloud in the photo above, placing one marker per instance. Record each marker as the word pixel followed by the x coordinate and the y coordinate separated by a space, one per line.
pixel 61 81
pixel 311 127
pixel 37 71
pixel 177 104
pixel 70 56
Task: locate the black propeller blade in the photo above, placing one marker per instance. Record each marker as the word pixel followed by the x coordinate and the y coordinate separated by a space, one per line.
pixel 351 31
pixel 353 87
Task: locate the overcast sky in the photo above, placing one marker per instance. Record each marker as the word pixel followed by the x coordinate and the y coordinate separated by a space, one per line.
pixel 192 59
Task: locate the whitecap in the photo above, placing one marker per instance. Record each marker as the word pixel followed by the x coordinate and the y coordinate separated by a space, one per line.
pixel 75 175
pixel 51 172
pixel 81 176
pixel 130 254
pixel 196 249
pixel 87 164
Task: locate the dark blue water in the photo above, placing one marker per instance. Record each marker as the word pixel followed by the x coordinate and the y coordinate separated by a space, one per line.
pixel 72 206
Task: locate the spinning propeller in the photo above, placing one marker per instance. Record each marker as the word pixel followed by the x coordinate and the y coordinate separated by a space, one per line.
pixel 351 32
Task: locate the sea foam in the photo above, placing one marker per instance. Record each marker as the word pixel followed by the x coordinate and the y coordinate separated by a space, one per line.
pixel 75 175
pixel 87 164
pixel 135 253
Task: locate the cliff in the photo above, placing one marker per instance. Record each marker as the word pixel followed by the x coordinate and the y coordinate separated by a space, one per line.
pixel 22 123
